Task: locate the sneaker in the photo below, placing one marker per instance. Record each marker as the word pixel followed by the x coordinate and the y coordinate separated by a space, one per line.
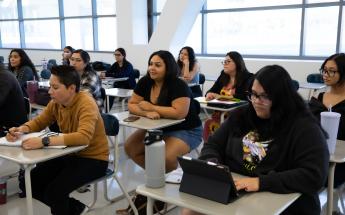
pixel 83 189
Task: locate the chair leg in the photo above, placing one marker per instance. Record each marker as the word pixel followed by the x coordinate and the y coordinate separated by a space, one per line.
pixel 95 191
pixel 126 195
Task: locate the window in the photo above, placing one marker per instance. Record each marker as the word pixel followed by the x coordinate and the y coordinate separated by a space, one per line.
pixel 43 34
pixel 321 24
pixel 77 7
pixel 271 32
pixel 223 4
pixel 9 31
pixel 106 7
pixel 107 38
pixel 342 38
pixel 79 33
pixel 40 8
pixel 159 5
pixel 8 10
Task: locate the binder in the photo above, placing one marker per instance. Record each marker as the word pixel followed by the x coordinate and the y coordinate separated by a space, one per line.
pixel 207 180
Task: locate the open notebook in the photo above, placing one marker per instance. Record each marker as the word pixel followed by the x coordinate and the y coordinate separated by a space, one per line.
pixel 4 142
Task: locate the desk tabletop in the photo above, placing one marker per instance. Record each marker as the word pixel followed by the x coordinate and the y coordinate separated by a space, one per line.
pixel 119 92
pixel 312 86
pixel 146 123
pixel 339 154
pixel 258 203
pixel 22 156
pixel 203 104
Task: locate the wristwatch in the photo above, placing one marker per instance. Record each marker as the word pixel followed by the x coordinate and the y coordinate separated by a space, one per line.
pixel 45 141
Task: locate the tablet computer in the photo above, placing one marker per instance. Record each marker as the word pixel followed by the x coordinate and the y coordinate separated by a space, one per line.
pixel 207 180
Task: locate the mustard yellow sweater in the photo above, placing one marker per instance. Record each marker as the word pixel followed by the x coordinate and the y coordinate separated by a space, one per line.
pixel 80 123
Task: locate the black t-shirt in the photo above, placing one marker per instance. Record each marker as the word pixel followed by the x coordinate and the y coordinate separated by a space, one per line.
pixel 176 90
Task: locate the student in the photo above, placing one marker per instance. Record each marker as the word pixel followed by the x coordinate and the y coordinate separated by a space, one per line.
pixel 275 141
pixel 23 68
pixel 190 68
pixel 81 124
pixel 333 74
pixel 234 80
pixel 12 106
pixel 66 55
pixel 89 80
pixel 122 68
pixel 161 94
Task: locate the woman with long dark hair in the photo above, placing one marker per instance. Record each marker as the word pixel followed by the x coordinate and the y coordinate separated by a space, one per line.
pixel 333 75
pixel 161 94
pixel 189 69
pixel 89 80
pixel 275 141
pixel 66 55
pixel 23 68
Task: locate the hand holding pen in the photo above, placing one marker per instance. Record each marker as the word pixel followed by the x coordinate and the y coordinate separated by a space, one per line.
pixel 15 133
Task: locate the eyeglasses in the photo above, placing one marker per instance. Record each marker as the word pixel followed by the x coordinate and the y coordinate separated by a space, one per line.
pixel 226 62
pixel 117 55
pixel 263 98
pixel 329 73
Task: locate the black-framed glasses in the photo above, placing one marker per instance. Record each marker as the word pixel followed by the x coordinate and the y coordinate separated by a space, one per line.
pixel 253 96
pixel 226 62
pixel 328 72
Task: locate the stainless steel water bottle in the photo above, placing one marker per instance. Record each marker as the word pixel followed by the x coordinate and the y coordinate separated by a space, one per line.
pixel 154 159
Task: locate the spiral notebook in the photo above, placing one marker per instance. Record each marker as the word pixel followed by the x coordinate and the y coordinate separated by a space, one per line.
pixel 18 143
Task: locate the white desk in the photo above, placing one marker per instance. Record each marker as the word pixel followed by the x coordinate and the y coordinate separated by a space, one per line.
pixel 28 159
pixel 312 87
pixel 146 123
pixel 107 82
pixel 118 92
pixel 258 203
pixel 203 104
pixel 337 157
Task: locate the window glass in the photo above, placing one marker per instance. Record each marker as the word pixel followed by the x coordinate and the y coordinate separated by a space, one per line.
pixel 320 1
pixel 9 31
pixel 79 33
pixel 159 5
pixel 106 7
pixel 8 10
pixel 270 32
pixel 194 38
pixel 42 34
pixel 107 38
pixel 320 33
pixel 77 7
pixel 40 8
pixel 227 4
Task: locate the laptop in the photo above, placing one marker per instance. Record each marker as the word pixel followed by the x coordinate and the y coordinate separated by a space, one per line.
pixel 207 180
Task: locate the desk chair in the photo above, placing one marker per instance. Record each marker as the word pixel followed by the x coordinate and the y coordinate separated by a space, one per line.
pixel 51 63
pixel 111 125
pixel 45 74
pixel 315 78
pixel 136 74
pixel 202 80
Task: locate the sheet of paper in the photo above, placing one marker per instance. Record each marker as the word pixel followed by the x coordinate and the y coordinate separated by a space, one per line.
pixel 18 143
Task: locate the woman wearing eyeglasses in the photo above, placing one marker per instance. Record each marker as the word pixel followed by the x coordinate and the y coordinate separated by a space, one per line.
pixel 333 74
pixel 234 80
pixel 122 68
pixel 274 141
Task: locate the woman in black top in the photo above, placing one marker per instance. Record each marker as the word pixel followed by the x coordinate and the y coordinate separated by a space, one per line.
pixel 234 80
pixel 274 141
pixel 161 94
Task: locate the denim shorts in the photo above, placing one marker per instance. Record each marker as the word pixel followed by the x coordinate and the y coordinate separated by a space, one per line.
pixel 191 137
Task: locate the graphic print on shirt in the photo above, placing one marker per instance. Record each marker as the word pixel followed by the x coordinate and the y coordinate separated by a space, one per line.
pixel 253 150
pixel 227 91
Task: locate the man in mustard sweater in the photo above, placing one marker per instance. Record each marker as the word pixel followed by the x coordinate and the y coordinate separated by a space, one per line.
pixel 80 122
